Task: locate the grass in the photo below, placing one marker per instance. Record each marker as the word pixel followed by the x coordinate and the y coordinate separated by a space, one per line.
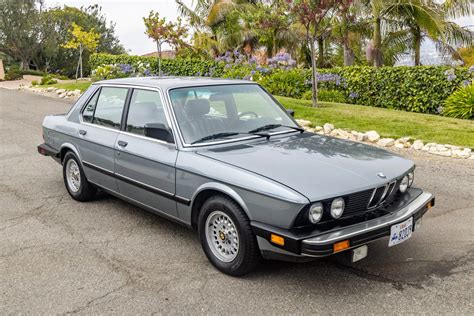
pixel 388 123
pixel 72 85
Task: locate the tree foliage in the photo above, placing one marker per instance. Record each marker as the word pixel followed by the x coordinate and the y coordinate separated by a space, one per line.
pixel 162 32
pixel 34 35
pixel 82 41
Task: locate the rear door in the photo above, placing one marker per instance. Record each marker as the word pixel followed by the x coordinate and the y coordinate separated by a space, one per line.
pixel 145 167
pixel 100 125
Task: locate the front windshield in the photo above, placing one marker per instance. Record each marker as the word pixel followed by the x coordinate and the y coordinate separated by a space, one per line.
pixel 228 111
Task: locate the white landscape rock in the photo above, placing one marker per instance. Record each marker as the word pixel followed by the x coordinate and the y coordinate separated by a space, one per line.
pixel 417 145
pixel 303 123
pixel 328 128
pixel 399 145
pixel 463 154
pixel 318 128
pixel 373 136
pixel 386 142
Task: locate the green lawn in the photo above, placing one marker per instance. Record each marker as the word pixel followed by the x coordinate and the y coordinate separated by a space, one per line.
pixel 388 123
pixel 73 85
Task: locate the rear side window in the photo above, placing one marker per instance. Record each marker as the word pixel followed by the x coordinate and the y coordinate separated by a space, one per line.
pixel 105 108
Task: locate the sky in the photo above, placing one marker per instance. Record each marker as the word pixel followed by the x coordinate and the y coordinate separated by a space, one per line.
pixel 129 27
pixel 128 17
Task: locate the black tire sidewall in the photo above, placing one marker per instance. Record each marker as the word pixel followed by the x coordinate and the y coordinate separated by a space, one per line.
pixel 80 194
pixel 246 257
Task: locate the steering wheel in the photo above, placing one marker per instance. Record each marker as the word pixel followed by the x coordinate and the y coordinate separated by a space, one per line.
pixel 242 114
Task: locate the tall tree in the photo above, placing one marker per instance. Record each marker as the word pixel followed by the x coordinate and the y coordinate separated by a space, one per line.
pixel 162 32
pixel 21 33
pixel 82 41
pixel 311 13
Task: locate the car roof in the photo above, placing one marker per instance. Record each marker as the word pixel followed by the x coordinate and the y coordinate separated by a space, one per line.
pixel 172 82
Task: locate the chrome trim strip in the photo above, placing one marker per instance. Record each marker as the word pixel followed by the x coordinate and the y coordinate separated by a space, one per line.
pixel 373 224
pixel 97 168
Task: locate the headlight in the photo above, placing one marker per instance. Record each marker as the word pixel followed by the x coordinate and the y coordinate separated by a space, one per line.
pixel 315 212
pixel 404 184
pixel 411 177
pixel 337 207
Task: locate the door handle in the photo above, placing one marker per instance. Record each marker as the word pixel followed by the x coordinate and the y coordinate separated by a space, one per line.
pixel 82 132
pixel 121 143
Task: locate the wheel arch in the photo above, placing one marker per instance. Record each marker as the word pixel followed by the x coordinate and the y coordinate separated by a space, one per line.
pixel 207 190
pixel 68 147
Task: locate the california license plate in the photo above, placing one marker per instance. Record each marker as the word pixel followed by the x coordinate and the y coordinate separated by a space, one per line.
pixel 400 232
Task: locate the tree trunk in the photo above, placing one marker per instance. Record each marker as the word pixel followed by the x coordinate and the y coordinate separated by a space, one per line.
pixel 158 46
pixel 348 54
pixel 81 49
pixel 417 45
pixel 320 63
pixel 314 72
pixel 25 63
pixel 377 43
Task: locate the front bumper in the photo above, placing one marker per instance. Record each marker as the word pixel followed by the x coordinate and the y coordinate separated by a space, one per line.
pixel 320 244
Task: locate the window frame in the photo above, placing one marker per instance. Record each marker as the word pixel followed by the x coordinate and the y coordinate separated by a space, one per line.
pixel 127 110
pixel 97 92
pixel 218 142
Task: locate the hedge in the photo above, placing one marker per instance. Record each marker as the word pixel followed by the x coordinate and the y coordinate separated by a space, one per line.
pixel 416 89
pixel 177 67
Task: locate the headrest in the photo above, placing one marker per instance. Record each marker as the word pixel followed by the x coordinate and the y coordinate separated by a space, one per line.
pixel 197 107
pixel 148 105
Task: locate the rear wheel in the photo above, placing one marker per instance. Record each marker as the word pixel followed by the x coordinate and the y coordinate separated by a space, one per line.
pixel 75 180
pixel 226 236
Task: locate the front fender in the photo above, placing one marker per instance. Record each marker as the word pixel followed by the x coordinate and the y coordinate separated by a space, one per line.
pixel 225 189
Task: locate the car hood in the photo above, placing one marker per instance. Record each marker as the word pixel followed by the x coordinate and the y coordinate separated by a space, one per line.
pixel 316 166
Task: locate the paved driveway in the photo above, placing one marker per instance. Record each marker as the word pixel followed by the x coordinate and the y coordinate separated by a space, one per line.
pixel 106 256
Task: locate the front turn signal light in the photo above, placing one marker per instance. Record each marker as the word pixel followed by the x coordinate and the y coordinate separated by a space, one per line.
pixel 342 245
pixel 278 240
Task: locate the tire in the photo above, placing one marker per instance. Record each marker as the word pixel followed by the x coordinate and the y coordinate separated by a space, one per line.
pixel 76 185
pixel 231 230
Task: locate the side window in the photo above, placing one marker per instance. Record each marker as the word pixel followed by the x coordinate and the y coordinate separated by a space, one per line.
pixel 88 112
pixel 145 108
pixel 108 111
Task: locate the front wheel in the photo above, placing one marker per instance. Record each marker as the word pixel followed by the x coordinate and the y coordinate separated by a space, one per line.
pixel 226 236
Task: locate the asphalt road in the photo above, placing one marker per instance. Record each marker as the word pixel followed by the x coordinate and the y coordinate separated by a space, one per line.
pixel 107 256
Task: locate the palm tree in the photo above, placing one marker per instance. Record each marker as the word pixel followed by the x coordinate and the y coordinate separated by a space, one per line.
pixel 220 19
pixel 417 15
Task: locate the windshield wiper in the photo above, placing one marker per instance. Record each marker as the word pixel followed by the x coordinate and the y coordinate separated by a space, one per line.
pixel 215 136
pixel 273 126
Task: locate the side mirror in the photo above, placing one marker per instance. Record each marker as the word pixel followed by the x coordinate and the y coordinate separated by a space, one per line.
pixel 291 112
pixel 159 131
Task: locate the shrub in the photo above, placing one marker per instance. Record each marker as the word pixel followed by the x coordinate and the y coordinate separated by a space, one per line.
pixel 47 80
pixel 416 89
pixel 107 72
pixel 13 75
pixel 326 96
pixel 461 103
pixel 288 83
pixel 34 83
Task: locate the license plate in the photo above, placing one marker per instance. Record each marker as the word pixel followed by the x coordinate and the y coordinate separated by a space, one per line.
pixel 400 232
